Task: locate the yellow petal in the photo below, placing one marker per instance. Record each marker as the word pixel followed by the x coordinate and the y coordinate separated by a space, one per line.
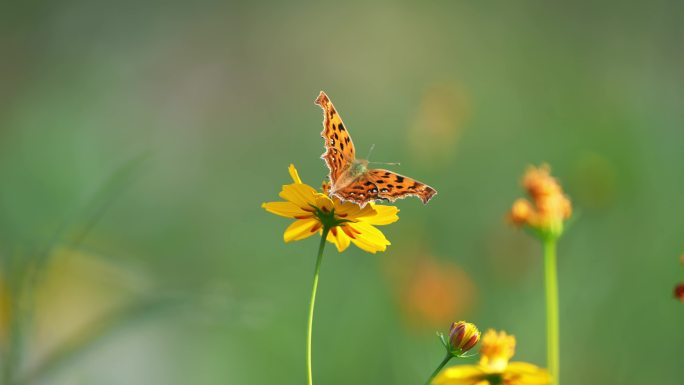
pixel 460 375
pixel 294 174
pixel 338 238
pixel 369 232
pixel 351 211
pixel 301 229
pixel 300 194
pixel 523 373
pixel 285 209
pixel 368 238
pixel 523 368
pixel 384 215
pixel 368 246
pixel 323 202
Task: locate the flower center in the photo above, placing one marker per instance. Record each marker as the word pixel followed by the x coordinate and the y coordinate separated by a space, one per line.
pixel 327 217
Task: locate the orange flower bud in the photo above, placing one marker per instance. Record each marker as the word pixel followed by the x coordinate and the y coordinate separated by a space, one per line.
pixel 521 212
pixel 463 336
pixel 679 292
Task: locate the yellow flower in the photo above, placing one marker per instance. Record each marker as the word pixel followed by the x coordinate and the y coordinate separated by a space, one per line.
pixel 549 206
pixel 348 222
pixel 494 367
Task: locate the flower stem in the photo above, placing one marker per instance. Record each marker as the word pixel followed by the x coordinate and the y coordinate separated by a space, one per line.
pixel 552 328
pixel 441 365
pixel 312 303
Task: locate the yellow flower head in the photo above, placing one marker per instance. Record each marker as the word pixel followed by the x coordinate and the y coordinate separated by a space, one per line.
pixel 496 350
pixel 348 223
pixel 549 206
pixel 494 367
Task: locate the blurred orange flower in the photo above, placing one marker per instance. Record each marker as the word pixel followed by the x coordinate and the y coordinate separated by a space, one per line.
pixel 436 292
pixel 549 206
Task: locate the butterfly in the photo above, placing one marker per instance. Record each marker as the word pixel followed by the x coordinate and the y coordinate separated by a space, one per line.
pixel 350 178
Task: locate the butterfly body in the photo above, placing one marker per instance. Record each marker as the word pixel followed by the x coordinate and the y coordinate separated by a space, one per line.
pixel 351 179
pixel 356 169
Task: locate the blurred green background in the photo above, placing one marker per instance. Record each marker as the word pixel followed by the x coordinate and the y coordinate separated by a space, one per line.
pixel 138 140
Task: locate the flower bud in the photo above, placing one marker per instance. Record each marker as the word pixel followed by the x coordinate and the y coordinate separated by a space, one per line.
pixel 521 212
pixel 679 292
pixel 463 336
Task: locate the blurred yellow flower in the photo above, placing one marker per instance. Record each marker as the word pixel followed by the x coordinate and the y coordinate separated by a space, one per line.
pixel 494 367
pixel 549 206
pixel 5 309
pixel 348 222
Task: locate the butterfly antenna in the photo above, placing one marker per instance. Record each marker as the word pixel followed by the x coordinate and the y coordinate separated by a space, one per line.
pixel 383 163
pixel 370 151
pixel 386 163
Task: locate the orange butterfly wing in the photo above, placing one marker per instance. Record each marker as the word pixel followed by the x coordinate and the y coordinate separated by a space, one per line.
pixel 361 191
pixel 379 184
pixel 339 149
pixel 392 186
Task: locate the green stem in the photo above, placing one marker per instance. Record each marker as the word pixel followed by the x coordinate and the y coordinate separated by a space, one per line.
pixel 312 303
pixel 441 365
pixel 552 328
